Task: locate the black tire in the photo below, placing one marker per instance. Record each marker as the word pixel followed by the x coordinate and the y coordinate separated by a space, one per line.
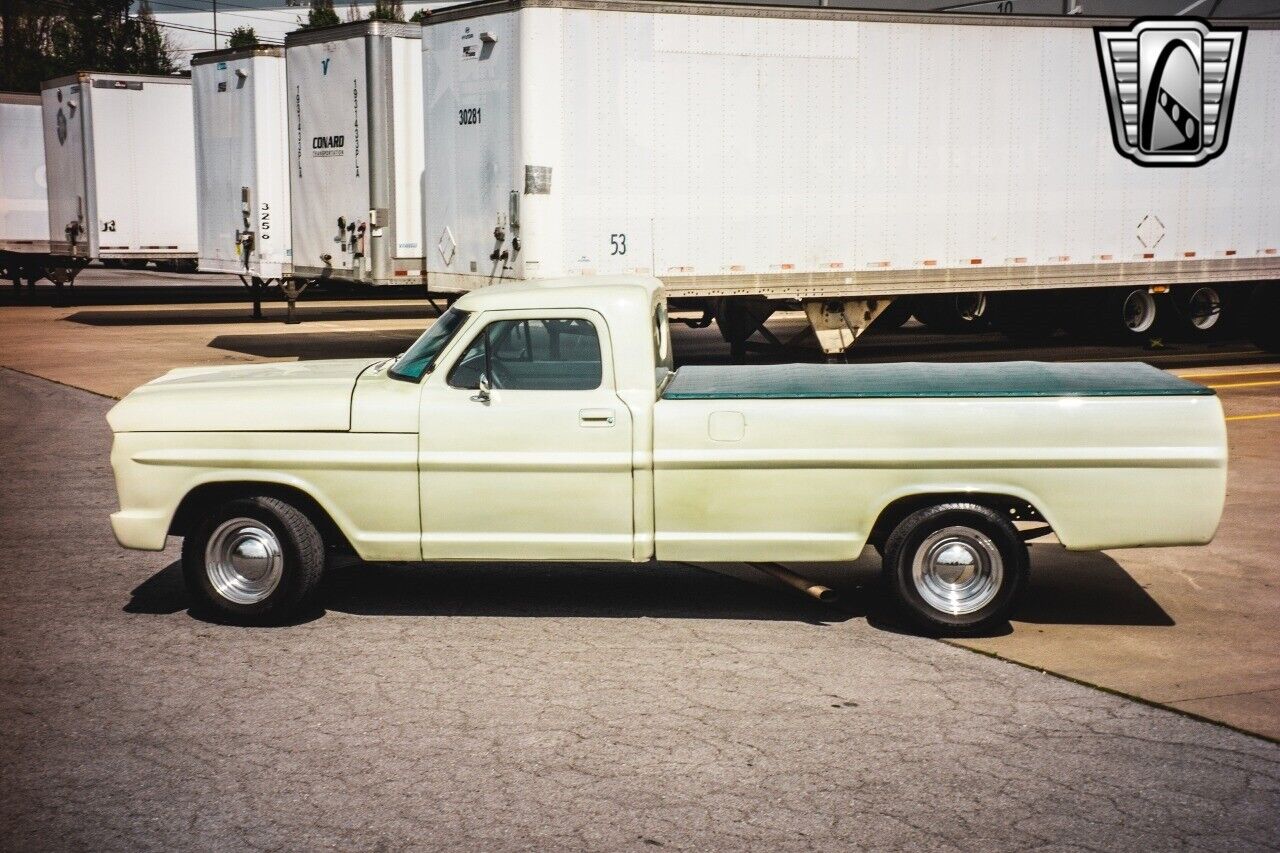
pixel 1130 315
pixel 302 562
pixel 1197 312
pixel 953 313
pixel 990 534
pixel 1264 316
pixel 895 316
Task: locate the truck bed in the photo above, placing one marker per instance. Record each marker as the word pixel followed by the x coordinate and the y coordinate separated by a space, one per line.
pixel 921 380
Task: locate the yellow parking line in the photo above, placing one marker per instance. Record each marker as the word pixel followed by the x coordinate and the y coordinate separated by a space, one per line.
pixel 1219 374
pixel 1245 384
pixel 1253 417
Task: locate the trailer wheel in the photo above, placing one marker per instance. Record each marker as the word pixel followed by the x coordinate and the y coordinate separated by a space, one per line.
pixel 1129 314
pixel 955 568
pixel 895 316
pixel 953 312
pixel 1201 310
pixel 1264 316
pixel 253 561
pixel 738 318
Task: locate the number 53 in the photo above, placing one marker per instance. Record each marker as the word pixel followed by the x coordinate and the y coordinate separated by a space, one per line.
pixel 619 243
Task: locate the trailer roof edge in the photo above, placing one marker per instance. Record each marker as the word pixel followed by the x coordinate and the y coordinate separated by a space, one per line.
pixel 354 29
pixel 82 76
pixel 208 56
pixel 480 8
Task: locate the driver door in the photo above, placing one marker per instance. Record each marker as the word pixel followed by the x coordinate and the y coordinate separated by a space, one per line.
pixel 538 466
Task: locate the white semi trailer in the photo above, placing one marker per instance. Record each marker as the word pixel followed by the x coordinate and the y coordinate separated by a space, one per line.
pixel 24 209
pixel 755 156
pixel 355 152
pixel 121 170
pixel 242 165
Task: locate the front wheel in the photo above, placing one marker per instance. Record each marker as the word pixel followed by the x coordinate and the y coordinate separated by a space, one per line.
pixel 955 568
pixel 254 561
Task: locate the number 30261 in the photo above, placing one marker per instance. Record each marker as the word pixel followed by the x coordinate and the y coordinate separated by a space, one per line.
pixel 471 115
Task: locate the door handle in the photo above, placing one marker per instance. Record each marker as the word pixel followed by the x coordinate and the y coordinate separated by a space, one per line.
pixel 595 417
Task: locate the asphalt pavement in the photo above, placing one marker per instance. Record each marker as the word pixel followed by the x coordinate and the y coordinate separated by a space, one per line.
pixel 534 707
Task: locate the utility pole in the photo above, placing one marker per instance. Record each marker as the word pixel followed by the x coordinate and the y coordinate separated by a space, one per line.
pixel 215 24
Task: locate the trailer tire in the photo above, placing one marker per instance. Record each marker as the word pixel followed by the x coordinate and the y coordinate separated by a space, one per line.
pixel 1129 315
pixel 253 561
pixel 895 316
pixel 1264 316
pixel 955 568
pixel 953 313
pixel 1200 311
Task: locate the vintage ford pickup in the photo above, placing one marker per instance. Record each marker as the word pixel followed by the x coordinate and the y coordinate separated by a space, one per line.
pixel 546 422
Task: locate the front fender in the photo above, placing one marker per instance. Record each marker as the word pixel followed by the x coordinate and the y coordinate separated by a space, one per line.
pixel 367 483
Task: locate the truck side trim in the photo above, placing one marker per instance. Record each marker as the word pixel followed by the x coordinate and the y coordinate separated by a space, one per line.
pixel 934 458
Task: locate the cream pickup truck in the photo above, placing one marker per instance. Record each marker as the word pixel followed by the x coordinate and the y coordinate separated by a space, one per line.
pixel 546 422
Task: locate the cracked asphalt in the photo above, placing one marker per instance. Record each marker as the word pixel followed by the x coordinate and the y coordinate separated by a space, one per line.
pixel 539 707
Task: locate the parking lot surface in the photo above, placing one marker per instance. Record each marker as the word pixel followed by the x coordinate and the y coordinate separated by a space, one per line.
pixel 539 707
pixel 1190 628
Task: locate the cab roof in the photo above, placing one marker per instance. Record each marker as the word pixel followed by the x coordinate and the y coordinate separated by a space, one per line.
pixel 571 292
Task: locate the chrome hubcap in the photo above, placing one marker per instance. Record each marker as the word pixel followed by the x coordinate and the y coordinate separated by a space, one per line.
pixel 1204 308
pixel 957 570
pixel 244 561
pixel 1139 311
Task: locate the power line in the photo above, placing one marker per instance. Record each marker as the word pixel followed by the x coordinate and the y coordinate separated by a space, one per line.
pixel 173 5
pixel 191 28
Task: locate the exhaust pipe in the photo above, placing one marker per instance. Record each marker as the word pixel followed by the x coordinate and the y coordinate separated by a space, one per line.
pixel 822 593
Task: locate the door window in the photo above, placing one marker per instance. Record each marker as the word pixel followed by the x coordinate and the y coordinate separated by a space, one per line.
pixel 533 355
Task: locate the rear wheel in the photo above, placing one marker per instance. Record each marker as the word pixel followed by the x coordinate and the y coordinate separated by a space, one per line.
pixel 1200 310
pixel 955 568
pixel 895 316
pixel 254 561
pixel 953 312
pixel 1128 315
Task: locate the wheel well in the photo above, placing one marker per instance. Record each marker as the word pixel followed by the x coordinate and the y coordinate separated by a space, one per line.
pixel 203 498
pixel 1015 509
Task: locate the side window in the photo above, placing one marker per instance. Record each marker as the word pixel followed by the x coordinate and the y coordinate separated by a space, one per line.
pixel 533 355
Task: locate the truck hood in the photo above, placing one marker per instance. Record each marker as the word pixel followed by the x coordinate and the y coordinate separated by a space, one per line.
pixel 283 397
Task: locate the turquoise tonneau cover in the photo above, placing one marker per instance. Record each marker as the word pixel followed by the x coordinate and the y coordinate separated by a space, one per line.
pixel 918 379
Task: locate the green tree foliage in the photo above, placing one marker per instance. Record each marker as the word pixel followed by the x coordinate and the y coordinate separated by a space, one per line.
pixel 387 10
pixel 419 16
pixel 43 40
pixel 242 37
pixel 321 14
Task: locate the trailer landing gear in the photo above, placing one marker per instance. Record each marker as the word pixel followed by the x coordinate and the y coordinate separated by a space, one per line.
pixel 838 323
pixel 292 288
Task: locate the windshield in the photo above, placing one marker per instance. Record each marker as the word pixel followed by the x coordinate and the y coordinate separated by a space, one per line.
pixel 420 358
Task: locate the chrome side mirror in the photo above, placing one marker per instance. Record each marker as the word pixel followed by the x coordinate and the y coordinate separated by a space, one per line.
pixel 483 385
